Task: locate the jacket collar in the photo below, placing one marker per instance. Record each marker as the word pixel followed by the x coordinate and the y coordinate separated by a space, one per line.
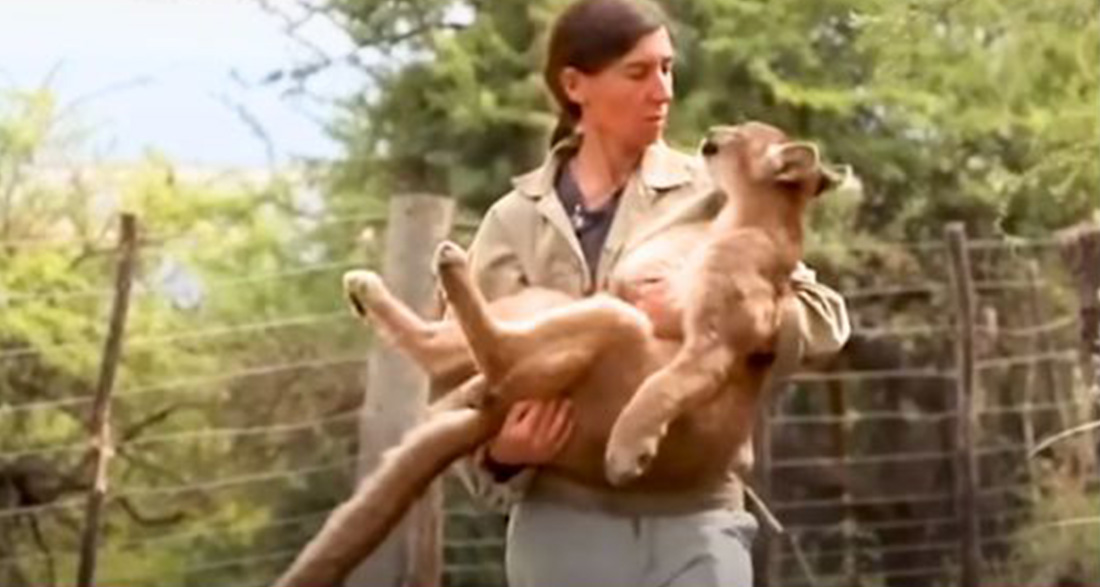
pixel 662 169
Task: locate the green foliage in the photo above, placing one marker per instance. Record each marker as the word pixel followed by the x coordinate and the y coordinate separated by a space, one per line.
pixel 981 111
pixel 1059 544
pixel 235 274
pixel 460 116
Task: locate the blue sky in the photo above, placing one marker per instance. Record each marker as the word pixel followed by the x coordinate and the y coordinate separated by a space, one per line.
pixel 168 75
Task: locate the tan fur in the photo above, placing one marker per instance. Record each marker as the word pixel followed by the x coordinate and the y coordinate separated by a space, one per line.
pixel 696 400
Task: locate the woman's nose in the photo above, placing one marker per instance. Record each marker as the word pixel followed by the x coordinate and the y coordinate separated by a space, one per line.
pixel 661 86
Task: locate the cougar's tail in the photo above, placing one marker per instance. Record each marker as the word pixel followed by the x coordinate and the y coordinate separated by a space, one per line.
pixel 360 524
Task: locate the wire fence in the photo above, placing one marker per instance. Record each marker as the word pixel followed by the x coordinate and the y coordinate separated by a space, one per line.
pixel 225 465
pixel 866 463
pixel 232 440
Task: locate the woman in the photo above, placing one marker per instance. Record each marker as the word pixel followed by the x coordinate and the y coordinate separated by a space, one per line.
pixel 565 226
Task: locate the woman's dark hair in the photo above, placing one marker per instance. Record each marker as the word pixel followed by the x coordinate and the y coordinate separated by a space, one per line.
pixel 588 36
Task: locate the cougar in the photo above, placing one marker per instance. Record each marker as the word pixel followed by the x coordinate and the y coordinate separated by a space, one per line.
pixel 663 401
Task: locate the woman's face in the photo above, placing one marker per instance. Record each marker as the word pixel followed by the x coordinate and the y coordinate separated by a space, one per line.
pixel 628 100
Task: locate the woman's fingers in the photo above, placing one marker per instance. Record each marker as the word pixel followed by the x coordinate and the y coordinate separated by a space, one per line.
pixel 562 426
pixel 520 412
pixel 534 432
pixel 558 418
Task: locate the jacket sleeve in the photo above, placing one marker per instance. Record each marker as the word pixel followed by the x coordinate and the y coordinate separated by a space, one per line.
pixel 822 316
pixel 498 272
pixel 494 262
pixel 814 324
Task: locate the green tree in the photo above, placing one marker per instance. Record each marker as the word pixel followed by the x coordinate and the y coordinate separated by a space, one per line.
pixel 241 363
pixel 982 111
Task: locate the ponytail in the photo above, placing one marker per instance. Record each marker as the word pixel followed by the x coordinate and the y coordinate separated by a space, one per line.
pixel 564 129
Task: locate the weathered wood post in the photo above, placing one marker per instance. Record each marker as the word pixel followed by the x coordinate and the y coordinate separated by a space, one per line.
pixel 1081 251
pixel 770 551
pixel 966 464
pixel 397 394
pixel 1040 343
pixel 100 422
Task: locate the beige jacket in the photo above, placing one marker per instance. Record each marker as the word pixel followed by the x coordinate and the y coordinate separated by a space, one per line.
pixel 526 240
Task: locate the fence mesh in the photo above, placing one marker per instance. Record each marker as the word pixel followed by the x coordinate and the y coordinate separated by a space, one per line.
pixel 221 475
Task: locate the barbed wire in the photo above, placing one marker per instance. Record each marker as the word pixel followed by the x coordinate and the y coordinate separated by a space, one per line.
pixel 190 435
pixel 274 556
pixel 1030 407
pixel 211 286
pixel 232 482
pixel 856 417
pixel 196 334
pixel 865 525
pixel 874 375
pixel 1053 325
pixel 1012 244
pixel 858 549
pixel 191 532
pixel 832 502
pixel 891 291
pixel 242 432
pixel 190 383
pixel 1062 356
pixel 925 331
pixel 842 579
pixel 201 486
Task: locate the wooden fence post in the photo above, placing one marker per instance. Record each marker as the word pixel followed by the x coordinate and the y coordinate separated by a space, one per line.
pixel 769 554
pixel 1039 344
pixel 1081 251
pixel 966 465
pixel 100 425
pixel 397 394
pixel 1083 255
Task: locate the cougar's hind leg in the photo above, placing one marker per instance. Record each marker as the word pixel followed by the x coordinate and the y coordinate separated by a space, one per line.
pixel 693 377
pixel 356 528
pixel 472 393
pixel 561 345
pixel 484 335
pixel 542 376
pixel 438 347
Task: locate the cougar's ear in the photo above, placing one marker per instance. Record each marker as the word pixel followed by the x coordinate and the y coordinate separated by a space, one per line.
pixel 793 162
pixel 832 177
pixel 797 163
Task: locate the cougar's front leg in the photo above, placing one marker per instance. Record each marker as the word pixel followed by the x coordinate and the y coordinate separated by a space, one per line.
pixel 438 347
pixel 696 373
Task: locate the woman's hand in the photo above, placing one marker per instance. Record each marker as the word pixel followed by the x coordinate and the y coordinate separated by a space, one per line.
pixel 534 432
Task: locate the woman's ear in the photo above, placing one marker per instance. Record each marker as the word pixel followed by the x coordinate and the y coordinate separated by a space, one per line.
pixel 572 83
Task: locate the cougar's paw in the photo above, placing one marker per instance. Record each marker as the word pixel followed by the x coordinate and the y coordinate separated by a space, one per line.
pixel 449 256
pixel 626 460
pixel 363 290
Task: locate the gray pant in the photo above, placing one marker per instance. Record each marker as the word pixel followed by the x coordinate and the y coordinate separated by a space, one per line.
pixel 556 545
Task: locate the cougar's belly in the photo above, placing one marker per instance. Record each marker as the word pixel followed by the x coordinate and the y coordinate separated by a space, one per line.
pixel 696 453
